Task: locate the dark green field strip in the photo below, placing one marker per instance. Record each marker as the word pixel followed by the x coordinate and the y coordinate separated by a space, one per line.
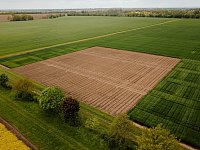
pixel 47 131
pixel 175 102
pixel 23 59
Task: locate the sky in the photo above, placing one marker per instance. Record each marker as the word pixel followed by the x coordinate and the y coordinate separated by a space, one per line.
pixel 72 4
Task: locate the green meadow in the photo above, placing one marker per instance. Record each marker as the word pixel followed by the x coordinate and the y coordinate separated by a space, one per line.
pixel 174 102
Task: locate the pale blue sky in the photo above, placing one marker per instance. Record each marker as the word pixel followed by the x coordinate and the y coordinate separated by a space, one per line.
pixel 39 4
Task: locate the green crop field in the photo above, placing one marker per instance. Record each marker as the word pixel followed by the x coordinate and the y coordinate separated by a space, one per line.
pixel 23 36
pixel 175 102
pixel 176 39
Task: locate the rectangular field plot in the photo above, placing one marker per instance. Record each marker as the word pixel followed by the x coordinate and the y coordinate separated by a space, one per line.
pixel 175 103
pixel 111 80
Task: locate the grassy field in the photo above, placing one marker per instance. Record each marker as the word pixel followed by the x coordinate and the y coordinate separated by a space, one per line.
pixel 22 36
pixel 45 130
pixel 176 39
pixel 174 103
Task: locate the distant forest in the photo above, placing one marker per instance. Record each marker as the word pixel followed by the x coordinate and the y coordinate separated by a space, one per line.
pixel 124 12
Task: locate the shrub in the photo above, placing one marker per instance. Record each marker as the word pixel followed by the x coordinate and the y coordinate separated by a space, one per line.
pixel 92 124
pixel 70 108
pixel 157 139
pixel 4 81
pixel 51 99
pixel 119 134
pixel 24 90
pixel 21 17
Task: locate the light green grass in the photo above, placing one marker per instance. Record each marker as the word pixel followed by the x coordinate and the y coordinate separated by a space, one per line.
pixel 175 39
pixel 22 36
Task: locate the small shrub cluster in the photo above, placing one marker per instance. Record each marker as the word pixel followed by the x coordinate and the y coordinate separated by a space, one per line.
pixel 21 17
pixel 92 124
pixel 52 16
pixel 4 81
pixel 24 90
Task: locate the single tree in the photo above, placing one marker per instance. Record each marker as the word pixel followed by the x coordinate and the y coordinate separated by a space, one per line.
pixel 157 138
pixel 119 133
pixel 51 99
pixel 70 108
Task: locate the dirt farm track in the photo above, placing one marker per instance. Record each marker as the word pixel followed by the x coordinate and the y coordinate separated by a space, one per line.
pixel 108 79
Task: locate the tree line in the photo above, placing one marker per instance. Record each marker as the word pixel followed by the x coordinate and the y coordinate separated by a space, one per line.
pixel 161 13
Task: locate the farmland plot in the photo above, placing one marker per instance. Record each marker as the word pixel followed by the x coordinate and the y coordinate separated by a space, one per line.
pixel 111 80
pixel 175 102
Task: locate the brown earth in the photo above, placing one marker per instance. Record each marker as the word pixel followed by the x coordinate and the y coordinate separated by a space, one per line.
pixel 4 18
pixel 111 80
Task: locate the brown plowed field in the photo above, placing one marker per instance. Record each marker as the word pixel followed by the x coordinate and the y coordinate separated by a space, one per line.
pixel 111 80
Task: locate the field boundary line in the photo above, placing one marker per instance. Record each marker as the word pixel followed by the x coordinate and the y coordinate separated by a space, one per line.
pixel 88 39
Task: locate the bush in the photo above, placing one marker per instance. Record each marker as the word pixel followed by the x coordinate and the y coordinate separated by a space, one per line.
pixel 4 81
pixel 24 90
pixel 119 134
pixel 51 99
pixel 92 124
pixel 70 108
pixel 21 17
pixel 157 139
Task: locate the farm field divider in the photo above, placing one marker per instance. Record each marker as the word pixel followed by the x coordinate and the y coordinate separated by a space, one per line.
pixel 175 103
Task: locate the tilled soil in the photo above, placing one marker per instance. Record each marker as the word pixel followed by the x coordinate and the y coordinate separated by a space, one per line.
pixel 108 79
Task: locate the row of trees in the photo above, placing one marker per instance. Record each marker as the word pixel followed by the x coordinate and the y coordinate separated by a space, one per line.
pixel 51 16
pixel 119 135
pixel 164 13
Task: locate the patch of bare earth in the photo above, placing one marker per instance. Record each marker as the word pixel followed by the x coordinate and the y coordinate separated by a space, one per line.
pixel 108 79
pixel 4 18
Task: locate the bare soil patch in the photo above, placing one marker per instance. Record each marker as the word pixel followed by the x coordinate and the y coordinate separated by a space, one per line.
pixel 108 79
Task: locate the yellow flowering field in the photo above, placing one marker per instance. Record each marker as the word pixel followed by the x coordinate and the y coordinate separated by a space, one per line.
pixel 8 141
